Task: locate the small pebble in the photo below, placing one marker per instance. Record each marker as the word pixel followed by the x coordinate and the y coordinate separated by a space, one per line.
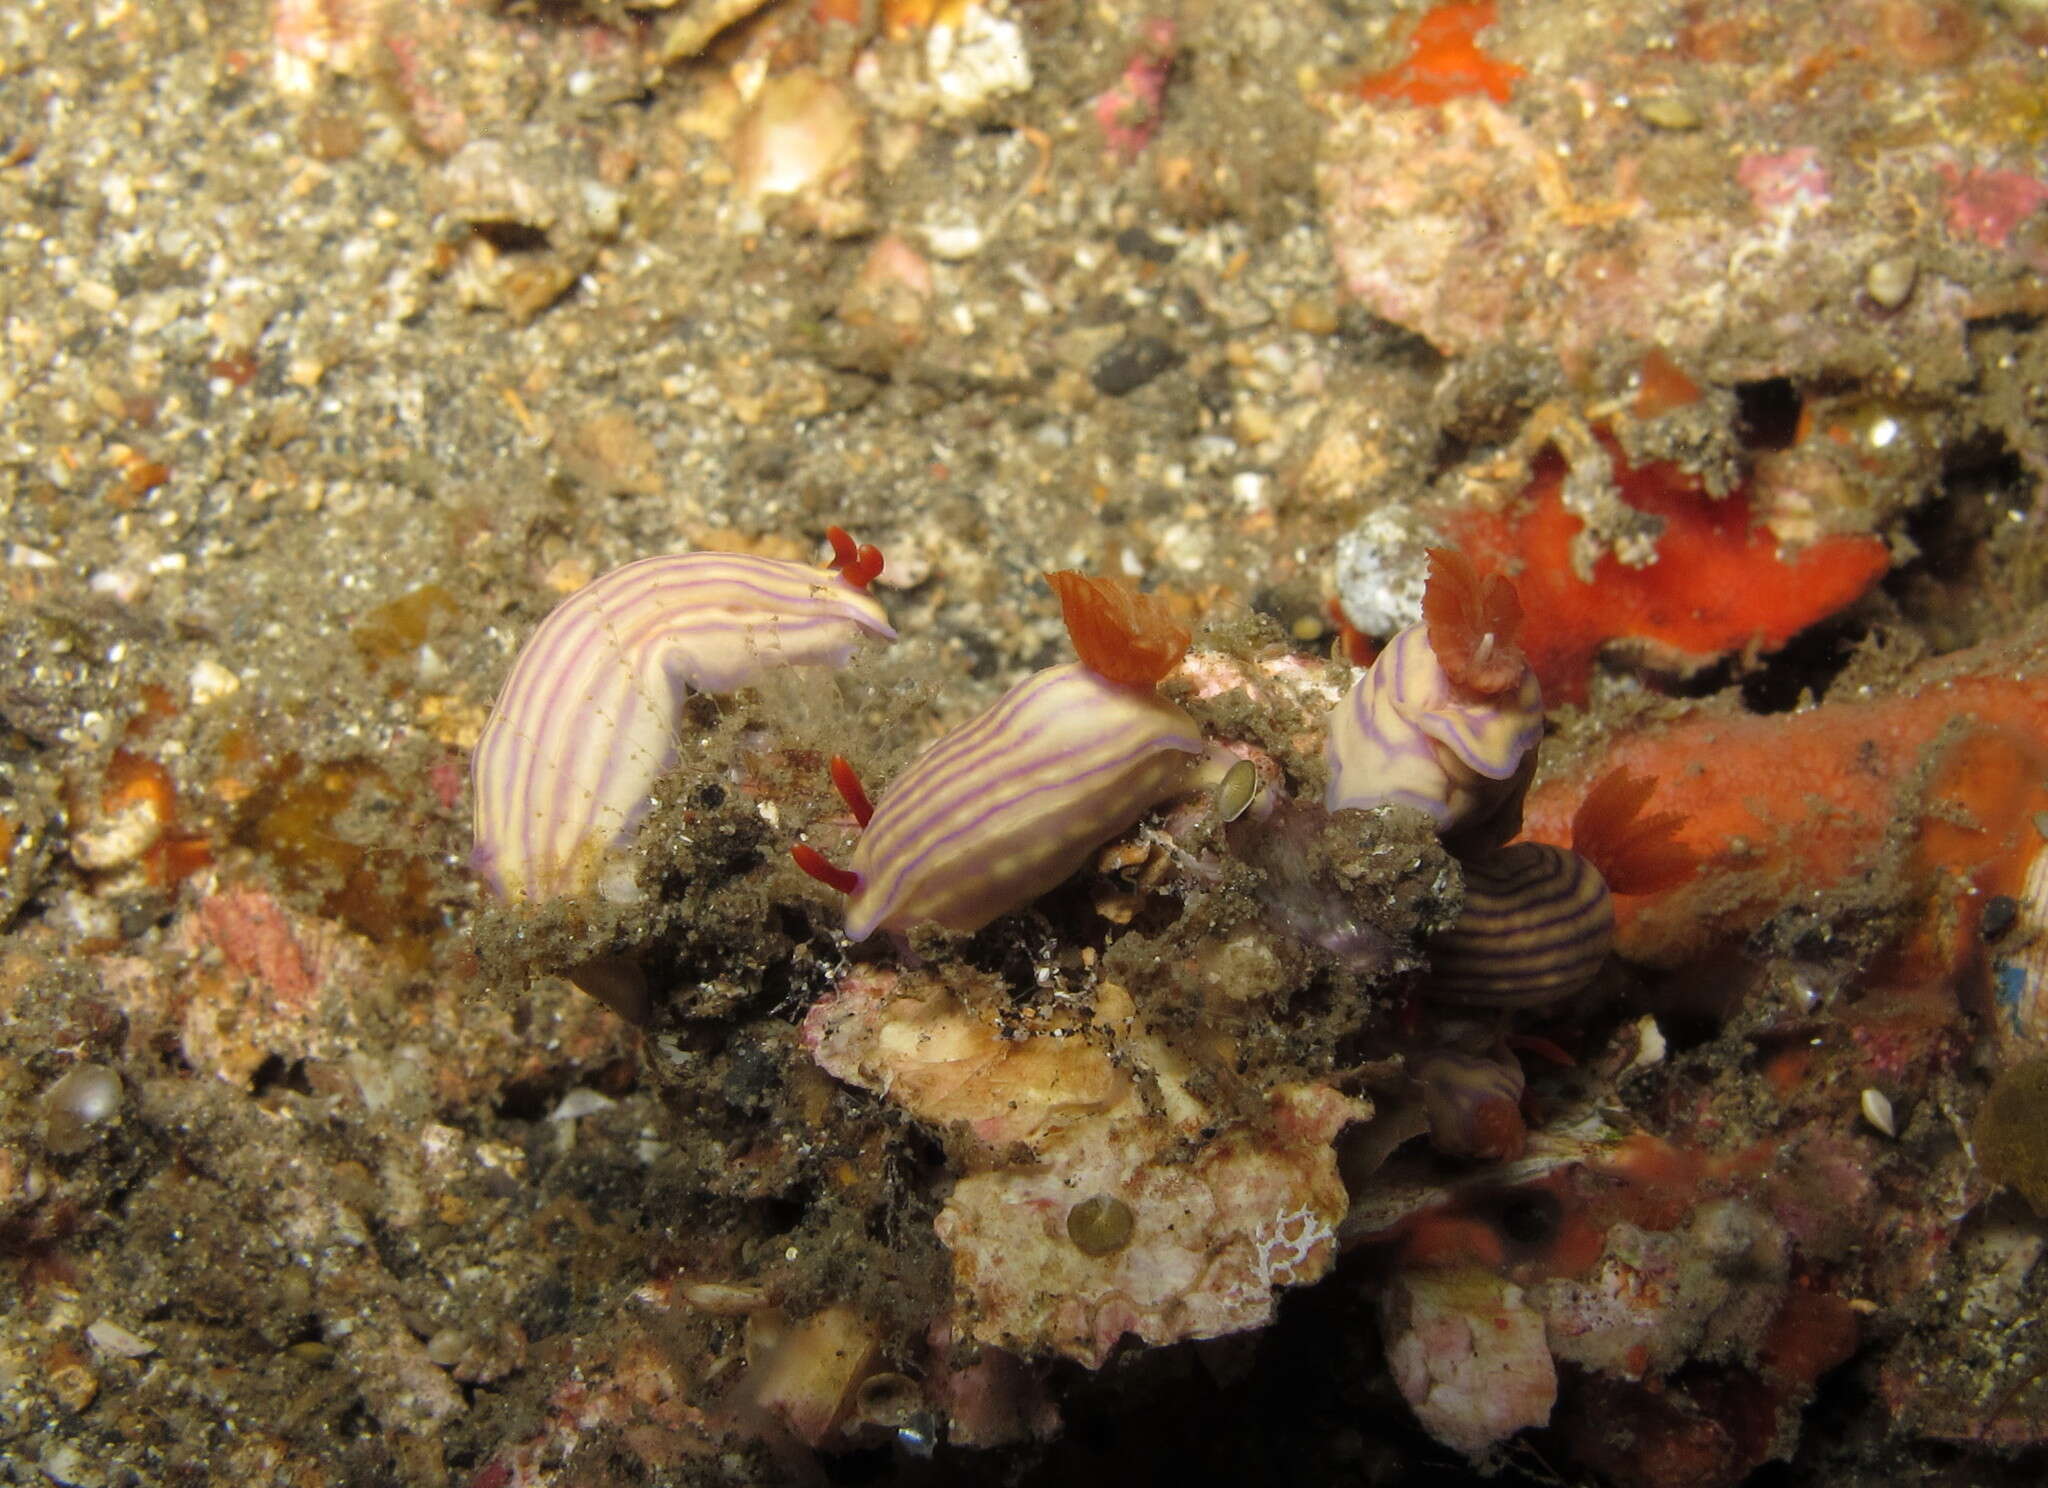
pixel 1890 281
pixel 1135 242
pixel 954 237
pixel 1131 363
pixel 210 682
pixel 1314 315
pixel 1668 111
pixel 1878 1112
pixel 86 1098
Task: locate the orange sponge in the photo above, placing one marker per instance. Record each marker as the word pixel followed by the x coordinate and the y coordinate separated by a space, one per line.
pixel 1719 581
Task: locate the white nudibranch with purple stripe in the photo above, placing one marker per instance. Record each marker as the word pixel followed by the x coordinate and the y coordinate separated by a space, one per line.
pixel 1448 717
pixel 1403 736
pixel 1005 806
pixel 585 723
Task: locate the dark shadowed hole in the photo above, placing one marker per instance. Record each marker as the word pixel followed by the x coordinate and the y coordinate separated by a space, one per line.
pixel 530 1099
pixel 1807 664
pixel 511 237
pixel 1978 479
pixel 1767 413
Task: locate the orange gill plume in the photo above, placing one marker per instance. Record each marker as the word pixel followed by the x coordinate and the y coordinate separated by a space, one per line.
pixel 1474 623
pixel 1636 854
pixel 1120 635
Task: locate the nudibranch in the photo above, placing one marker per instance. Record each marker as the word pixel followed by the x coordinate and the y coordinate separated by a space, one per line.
pixel 1538 920
pixel 1474 1103
pixel 1448 716
pixel 1005 806
pixel 585 722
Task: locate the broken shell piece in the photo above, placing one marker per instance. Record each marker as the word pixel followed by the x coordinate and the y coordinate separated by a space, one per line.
pixel 806 1372
pixel 723 1298
pixel 110 1338
pixel 1877 1110
pixel 699 24
pixel 1650 1048
pixel 801 140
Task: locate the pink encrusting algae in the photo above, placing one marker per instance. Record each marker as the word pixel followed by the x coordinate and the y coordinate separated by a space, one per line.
pixel 585 723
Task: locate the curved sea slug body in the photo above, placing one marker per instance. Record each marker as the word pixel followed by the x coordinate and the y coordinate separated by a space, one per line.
pixel 1474 1103
pixel 1448 717
pixel 1406 735
pixel 1011 802
pixel 1537 924
pixel 1007 805
pixel 1538 920
pixel 584 725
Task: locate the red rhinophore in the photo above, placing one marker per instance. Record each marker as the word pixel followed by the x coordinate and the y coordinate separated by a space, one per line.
pixel 1542 1048
pixel 1355 645
pixel 813 862
pixel 850 790
pixel 857 564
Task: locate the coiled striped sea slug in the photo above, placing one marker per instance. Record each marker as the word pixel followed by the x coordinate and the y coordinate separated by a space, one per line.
pixel 1008 804
pixel 585 722
pixel 1448 717
pixel 1538 920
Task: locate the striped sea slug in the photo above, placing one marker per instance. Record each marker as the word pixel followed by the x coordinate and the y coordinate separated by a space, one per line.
pixel 1474 1103
pixel 1538 920
pixel 1008 804
pixel 585 722
pixel 1447 719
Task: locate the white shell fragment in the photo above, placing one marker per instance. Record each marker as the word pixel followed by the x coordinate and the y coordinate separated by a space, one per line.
pixel 109 1337
pixel 209 682
pixel 1877 1110
pixel 581 1102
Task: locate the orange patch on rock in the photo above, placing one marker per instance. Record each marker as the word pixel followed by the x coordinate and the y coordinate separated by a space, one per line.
pixel 1812 1333
pixel 1662 385
pixel 134 779
pixel 1718 583
pixel 1444 61
pixel 1780 805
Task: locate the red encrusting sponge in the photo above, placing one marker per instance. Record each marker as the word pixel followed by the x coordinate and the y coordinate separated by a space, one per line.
pixel 1718 583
